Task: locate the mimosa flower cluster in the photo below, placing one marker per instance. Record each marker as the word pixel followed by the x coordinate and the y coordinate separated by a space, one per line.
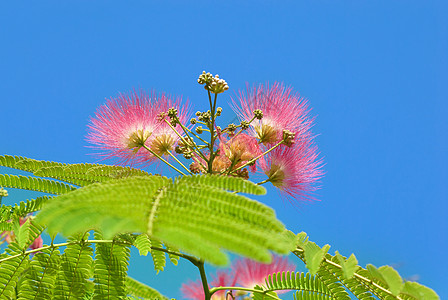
pixel 273 138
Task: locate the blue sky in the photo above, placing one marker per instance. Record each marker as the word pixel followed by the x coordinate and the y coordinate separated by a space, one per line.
pixel 374 72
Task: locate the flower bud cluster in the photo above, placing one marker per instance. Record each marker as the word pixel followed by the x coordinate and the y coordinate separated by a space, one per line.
pixel 185 147
pixel 204 116
pixel 258 114
pixel 214 84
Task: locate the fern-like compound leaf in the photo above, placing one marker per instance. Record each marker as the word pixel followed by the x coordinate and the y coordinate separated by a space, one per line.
pixel 173 257
pixel 39 279
pixel 296 281
pixel 110 272
pixel 114 206
pixel 158 257
pixel 143 244
pixel 190 215
pixel 11 269
pixel 138 289
pixel 23 208
pixel 305 295
pixel 76 269
pixel 223 182
pixel 35 184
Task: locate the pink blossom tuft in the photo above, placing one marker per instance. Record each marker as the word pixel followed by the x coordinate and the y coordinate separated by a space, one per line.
pixel 294 170
pixel 125 122
pixel 250 273
pixel 282 110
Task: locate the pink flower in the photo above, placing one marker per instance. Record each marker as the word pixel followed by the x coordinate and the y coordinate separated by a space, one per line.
pixel 124 124
pixel 294 170
pixel 282 110
pixel 250 273
pixel 194 290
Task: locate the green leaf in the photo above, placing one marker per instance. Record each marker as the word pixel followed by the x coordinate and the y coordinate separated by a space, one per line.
pixel 349 266
pixel 188 214
pixel 392 278
pixel 11 270
pixel 38 280
pixel 76 269
pixel 143 244
pixel 314 256
pixel 138 289
pixel 111 266
pixel 22 233
pixel 35 184
pixel 418 291
pixel 158 257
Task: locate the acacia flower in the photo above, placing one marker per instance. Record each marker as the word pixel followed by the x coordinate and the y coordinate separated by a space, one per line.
pixel 250 273
pixel 281 109
pixel 294 170
pixel 194 290
pixel 124 125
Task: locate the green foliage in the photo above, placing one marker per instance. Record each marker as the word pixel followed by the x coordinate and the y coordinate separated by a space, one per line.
pixel 305 295
pixel 158 257
pixel 296 281
pixel 22 209
pixel 78 174
pixel 11 269
pixel 339 274
pixel 187 214
pixel 201 215
pixel 38 280
pixel 143 244
pixel 314 255
pixel 111 265
pixel 138 289
pixel 349 266
pixel 35 184
pixel 75 270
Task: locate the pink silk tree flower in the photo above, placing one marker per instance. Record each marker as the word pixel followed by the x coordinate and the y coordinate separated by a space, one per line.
pixel 282 109
pixel 194 290
pixel 294 170
pixel 250 273
pixel 125 125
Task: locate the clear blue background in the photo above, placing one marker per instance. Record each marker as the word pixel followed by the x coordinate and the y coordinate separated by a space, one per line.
pixel 375 73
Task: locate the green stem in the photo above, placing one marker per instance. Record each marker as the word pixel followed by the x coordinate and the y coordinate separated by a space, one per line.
pixel 236 288
pixel 207 293
pixel 161 158
pixel 179 162
pixel 212 132
pixel 186 130
pixel 263 182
